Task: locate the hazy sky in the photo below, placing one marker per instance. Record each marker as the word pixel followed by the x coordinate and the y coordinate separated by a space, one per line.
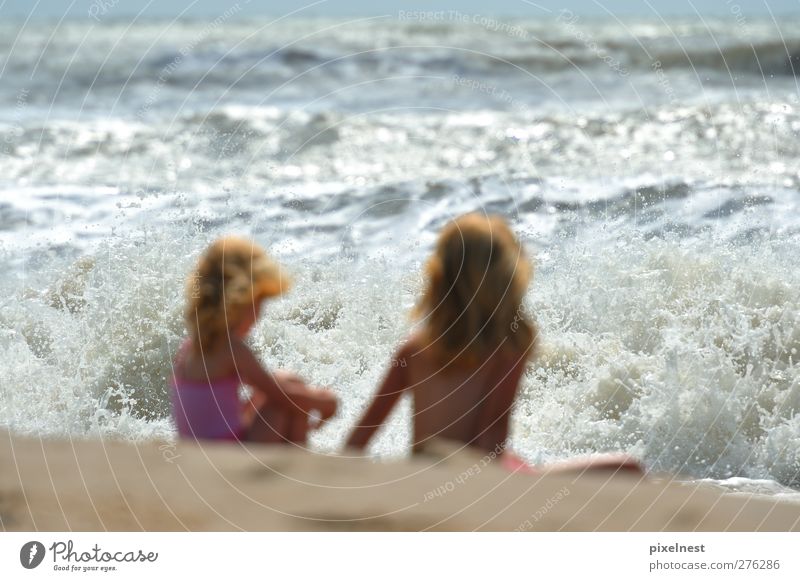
pixel 201 8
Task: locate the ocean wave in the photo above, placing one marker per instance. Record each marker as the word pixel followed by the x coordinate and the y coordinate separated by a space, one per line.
pixel 763 59
pixel 239 56
pixel 193 150
pixel 274 65
pixel 687 358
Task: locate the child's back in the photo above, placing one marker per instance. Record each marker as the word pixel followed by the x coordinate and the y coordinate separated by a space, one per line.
pixel 465 404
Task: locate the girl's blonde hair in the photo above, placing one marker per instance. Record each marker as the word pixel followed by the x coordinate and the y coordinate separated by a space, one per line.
pixel 232 275
pixel 476 282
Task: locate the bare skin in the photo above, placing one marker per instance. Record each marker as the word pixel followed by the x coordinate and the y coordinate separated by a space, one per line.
pixel 281 404
pixel 468 405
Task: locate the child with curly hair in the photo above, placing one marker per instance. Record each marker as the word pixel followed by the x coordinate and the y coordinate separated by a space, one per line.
pixel 225 295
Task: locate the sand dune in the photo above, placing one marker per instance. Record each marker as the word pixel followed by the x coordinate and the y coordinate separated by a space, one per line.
pixel 101 485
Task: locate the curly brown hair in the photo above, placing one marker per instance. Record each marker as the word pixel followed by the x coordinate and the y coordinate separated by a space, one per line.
pixel 476 281
pixel 231 276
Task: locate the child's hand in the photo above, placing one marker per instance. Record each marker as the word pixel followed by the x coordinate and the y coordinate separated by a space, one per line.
pixel 319 403
pixel 325 403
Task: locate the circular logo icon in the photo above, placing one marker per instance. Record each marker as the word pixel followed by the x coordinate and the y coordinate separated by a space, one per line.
pixel 31 554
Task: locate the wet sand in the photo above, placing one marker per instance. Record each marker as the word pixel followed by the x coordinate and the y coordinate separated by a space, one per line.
pixel 94 485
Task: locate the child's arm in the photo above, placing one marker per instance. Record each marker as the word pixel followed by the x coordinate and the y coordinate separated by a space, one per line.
pixel 496 408
pixel 393 386
pixel 294 395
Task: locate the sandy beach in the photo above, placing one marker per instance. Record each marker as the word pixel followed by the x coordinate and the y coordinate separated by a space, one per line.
pixel 93 485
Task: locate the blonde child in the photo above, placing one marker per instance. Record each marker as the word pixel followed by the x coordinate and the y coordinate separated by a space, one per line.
pixel 464 365
pixel 225 295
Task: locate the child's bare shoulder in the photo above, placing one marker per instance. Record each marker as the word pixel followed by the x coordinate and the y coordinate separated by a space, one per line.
pixel 411 347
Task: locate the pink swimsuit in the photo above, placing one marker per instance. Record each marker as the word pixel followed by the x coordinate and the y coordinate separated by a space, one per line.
pixel 207 409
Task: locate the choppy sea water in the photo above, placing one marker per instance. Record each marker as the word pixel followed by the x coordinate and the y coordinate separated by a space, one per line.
pixel 652 169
